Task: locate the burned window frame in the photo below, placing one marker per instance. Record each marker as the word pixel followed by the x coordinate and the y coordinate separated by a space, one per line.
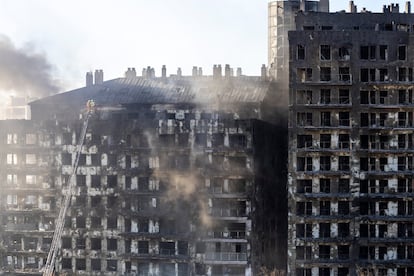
pixel 300 52
pixel 325 74
pixel 325 52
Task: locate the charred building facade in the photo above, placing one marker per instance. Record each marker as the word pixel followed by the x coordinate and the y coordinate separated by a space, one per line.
pixel 351 143
pixel 177 176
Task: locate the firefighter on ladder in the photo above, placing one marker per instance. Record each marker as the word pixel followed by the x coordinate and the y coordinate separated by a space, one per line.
pixel 48 269
pixel 90 106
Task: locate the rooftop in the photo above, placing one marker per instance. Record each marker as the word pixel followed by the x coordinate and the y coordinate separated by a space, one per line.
pixel 164 90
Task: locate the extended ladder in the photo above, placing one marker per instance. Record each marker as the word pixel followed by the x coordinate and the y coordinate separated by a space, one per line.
pixel 67 195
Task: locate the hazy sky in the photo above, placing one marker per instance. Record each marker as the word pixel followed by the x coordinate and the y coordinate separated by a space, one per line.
pixel 77 36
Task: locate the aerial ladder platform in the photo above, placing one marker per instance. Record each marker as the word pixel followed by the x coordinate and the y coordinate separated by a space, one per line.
pixel 49 268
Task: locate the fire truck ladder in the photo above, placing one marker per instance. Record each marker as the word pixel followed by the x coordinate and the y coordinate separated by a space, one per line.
pixel 67 195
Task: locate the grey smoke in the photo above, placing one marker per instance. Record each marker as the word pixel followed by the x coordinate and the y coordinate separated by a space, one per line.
pixel 23 70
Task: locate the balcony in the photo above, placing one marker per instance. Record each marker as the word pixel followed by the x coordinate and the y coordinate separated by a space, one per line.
pixel 220 193
pixel 14 247
pixel 228 235
pixel 226 256
pixel 22 227
pixel 167 252
pixel 330 79
pixel 228 212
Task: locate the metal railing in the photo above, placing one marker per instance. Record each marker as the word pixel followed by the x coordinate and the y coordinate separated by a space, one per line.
pixel 226 256
pixel 327 78
pixel 230 235
pixel 168 252
pixel 22 227
pixel 228 212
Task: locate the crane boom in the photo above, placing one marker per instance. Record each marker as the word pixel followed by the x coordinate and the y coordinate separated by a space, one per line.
pixel 67 195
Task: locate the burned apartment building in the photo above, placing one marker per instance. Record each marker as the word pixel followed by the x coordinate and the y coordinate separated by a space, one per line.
pixel 177 176
pixel 281 20
pixel 351 143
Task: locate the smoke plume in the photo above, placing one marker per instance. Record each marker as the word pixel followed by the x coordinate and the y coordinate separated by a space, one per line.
pixel 24 71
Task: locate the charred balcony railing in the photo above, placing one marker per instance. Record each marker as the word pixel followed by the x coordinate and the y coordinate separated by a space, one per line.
pixel 224 212
pixel 226 256
pixel 232 234
pixel 327 79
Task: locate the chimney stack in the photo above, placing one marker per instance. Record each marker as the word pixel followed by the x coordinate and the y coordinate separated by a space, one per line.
pixel 164 71
pixel 324 5
pixel 302 5
pixel 195 71
pixel 130 73
pixel 179 72
pixel 200 71
pixel 263 71
pixel 352 7
pixel 89 79
pixel 98 76
pixel 239 72
pixel 148 72
pixel 408 7
pixel 395 8
pixel 227 71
